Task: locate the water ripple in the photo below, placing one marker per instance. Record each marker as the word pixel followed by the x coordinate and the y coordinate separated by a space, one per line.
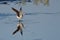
pixel 5 15
pixel 37 13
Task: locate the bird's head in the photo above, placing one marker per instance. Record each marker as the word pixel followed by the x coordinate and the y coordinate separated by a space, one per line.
pixel 21 8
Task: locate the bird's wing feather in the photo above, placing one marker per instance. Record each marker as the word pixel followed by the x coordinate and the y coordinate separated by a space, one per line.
pixel 15 10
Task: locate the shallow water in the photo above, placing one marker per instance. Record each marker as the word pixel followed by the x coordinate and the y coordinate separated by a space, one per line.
pixel 41 24
pixel 36 27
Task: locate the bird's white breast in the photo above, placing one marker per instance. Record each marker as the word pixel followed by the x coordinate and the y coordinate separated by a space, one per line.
pixel 20 15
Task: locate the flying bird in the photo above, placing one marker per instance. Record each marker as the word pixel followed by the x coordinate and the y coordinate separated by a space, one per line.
pixel 19 13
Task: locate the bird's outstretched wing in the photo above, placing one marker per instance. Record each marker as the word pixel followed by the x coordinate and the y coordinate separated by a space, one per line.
pixel 15 10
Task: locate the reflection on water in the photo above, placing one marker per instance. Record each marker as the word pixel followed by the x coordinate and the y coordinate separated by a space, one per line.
pixel 46 29
pixel 20 27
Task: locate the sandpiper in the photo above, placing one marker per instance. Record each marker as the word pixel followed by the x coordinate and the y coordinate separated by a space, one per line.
pixel 18 13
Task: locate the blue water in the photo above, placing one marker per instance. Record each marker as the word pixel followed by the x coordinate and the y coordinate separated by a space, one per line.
pixel 38 26
pixel 40 22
